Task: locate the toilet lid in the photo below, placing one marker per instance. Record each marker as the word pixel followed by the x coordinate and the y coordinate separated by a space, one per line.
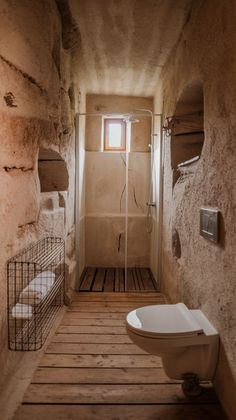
pixel 163 321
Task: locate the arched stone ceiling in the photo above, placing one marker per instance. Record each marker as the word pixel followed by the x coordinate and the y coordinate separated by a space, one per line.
pixel 125 43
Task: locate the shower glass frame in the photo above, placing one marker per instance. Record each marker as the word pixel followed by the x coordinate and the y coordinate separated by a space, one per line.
pixel 129 119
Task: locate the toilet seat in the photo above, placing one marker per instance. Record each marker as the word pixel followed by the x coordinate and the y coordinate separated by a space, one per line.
pixel 163 321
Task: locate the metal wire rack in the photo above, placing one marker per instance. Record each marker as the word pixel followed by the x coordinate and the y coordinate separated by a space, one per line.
pixel 35 286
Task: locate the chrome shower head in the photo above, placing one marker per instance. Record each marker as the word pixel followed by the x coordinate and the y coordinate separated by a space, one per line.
pixel 130 119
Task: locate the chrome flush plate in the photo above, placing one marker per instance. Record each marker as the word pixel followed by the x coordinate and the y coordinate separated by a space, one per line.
pixel 209 224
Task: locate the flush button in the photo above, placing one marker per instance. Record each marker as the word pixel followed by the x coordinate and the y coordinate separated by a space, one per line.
pixel 209 224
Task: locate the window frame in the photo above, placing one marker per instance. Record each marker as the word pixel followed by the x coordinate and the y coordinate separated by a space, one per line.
pixel 106 146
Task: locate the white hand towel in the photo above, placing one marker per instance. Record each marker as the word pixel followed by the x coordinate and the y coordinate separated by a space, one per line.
pixel 20 311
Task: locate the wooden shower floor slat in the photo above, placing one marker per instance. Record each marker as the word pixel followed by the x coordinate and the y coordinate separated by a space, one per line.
pixel 98 280
pixel 109 279
pixel 90 371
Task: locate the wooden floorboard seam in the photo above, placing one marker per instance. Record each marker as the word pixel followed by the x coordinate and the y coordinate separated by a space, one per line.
pixel 125 404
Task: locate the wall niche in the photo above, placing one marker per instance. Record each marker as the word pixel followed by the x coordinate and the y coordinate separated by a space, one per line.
pixel 186 128
pixel 53 173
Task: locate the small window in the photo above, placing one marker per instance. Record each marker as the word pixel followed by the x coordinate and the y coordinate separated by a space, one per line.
pixel 114 134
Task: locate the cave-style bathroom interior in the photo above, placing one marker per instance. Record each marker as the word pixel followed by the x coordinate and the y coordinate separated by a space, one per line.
pixel 118 201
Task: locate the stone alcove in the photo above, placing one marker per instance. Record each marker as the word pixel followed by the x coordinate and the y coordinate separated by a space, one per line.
pixel 187 129
pixel 53 173
pixel 54 183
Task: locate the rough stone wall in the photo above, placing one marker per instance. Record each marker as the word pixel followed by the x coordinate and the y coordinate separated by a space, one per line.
pixel 126 42
pixel 195 270
pixel 36 111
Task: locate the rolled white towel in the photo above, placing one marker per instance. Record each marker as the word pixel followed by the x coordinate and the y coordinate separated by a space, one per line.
pixel 44 279
pixel 21 311
pixel 32 295
pixel 37 288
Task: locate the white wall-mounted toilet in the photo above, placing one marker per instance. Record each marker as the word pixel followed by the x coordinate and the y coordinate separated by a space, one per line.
pixel 184 339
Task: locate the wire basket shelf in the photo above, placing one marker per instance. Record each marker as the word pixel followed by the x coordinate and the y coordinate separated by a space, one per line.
pixel 35 286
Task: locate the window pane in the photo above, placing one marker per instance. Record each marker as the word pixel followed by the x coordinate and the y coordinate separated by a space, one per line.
pixel 114 135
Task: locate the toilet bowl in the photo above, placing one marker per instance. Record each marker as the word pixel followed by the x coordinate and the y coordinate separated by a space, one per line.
pixel 184 339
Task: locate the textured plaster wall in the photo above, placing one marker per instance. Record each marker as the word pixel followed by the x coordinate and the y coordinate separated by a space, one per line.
pixel 105 198
pixel 200 273
pixel 36 111
pixel 105 209
pixel 140 137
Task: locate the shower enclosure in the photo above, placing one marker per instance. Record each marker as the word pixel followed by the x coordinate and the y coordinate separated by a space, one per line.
pixel 117 206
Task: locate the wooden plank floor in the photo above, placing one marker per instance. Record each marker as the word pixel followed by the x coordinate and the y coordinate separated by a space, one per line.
pixel 113 280
pixel 92 371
